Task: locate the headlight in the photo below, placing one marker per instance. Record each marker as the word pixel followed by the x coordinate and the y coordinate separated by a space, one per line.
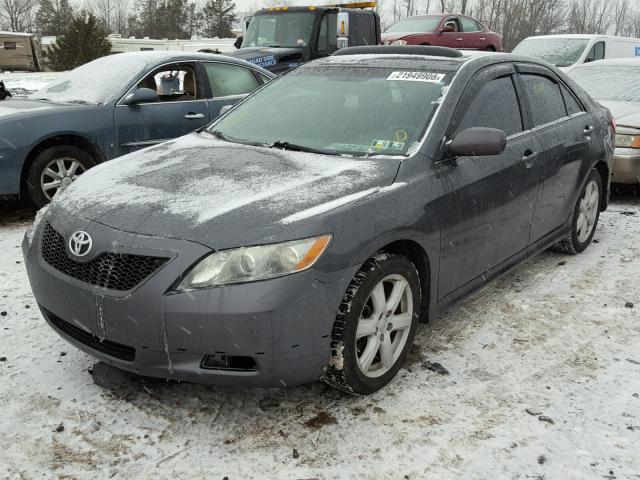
pixel 398 42
pixel 627 141
pixel 248 264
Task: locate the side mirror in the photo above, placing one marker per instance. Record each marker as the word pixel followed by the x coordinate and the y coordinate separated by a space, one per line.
pixel 225 109
pixel 478 142
pixel 342 30
pixel 238 42
pixel 141 95
pixel 447 29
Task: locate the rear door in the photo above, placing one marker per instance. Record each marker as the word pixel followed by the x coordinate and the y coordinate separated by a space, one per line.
pixel 182 108
pixel 564 129
pixel 228 83
pixel 471 34
pixel 491 202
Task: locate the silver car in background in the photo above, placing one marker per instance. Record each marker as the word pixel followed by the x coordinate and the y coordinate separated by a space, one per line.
pixel 615 84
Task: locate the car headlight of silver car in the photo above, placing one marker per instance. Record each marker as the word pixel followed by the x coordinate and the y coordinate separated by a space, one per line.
pixel 626 140
pixel 398 42
pixel 249 264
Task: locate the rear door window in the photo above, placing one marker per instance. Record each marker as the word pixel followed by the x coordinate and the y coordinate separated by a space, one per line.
pixel 469 25
pixel 495 106
pixel 573 106
pixel 228 80
pixel 545 100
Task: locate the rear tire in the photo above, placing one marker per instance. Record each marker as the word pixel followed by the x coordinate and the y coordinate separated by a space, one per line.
pixel 53 170
pixel 585 217
pixel 375 326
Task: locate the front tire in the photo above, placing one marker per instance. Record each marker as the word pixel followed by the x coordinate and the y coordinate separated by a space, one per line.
pixel 53 170
pixel 375 326
pixel 585 217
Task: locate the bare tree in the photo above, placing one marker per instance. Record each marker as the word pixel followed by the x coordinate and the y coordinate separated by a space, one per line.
pixel 589 16
pixel 17 15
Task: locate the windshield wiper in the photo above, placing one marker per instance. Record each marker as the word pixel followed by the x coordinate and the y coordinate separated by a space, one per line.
pixel 226 138
pixel 284 145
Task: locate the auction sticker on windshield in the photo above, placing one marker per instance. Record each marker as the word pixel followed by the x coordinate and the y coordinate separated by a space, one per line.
pixel 417 76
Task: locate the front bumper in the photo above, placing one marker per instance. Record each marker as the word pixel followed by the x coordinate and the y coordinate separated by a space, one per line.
pixel 283 325
pixel 626 166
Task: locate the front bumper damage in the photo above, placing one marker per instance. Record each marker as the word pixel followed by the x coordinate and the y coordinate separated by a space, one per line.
pixel 269 333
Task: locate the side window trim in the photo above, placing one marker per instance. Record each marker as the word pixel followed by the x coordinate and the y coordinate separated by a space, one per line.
pixel 531 69
pixel 190 63
pixel 484 75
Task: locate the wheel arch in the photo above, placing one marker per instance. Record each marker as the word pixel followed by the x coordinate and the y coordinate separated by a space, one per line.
pixel 57 140
pixel 418 256
pixel 603 170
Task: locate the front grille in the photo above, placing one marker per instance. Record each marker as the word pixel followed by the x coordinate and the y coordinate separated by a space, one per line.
pixel 113 349
pixel 116 271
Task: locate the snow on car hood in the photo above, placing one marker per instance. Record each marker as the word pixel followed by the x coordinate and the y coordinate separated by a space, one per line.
pixel 626 113
pixel 221 194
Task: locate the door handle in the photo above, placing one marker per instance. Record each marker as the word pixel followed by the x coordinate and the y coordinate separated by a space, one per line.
pixel 191 115
pixel 459 39
pixel 528 158
pixel 588 130
pixel 483 38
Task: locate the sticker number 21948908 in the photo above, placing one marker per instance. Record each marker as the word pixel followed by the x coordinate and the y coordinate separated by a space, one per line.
pixel 417 76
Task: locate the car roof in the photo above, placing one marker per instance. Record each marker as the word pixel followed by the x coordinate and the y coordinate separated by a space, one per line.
pixel 398 60
pixel 161 56
pixel 585 36
pixel 630 61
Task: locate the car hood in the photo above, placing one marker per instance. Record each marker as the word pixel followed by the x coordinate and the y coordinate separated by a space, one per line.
pixel 12 109
pixel 390 37
pixel 273 59
pixel 222 194
pixel 625 113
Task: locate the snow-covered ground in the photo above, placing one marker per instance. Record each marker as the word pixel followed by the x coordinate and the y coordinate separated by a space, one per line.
pixel 22 83
pixel 553 336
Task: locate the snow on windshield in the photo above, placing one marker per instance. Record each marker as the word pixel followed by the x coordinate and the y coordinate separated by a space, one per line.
pixel 561 52
pixel 609 82
pixel 97 82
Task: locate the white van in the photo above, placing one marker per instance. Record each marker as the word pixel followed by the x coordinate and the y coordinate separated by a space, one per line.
pixel 567 51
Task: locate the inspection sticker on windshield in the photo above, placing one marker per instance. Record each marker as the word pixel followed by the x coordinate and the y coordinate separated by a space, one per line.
pixel 417 76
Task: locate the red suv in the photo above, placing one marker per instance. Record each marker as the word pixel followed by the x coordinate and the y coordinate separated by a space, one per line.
pixel 446 30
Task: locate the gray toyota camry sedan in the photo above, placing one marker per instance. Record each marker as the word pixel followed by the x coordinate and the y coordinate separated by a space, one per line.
pixel 307 232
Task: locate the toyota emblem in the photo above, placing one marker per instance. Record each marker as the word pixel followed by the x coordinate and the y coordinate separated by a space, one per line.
pixel 80 243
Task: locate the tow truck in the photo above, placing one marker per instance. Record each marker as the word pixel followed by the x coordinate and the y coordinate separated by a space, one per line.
pixel 281 38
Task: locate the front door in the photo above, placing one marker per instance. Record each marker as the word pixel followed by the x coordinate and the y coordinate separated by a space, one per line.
pixel 181 109
pixel 454 38
pixel 491 204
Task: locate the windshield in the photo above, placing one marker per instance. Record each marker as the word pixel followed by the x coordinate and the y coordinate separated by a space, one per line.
pixel 97 82
pixel 561 52
pixel 417 24
pixel 290 29
pixel 619 83
pixel 338 110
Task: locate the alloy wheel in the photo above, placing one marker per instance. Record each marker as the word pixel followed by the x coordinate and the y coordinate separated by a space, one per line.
pixel 587 211
pixel 383 326
pixel 59 174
